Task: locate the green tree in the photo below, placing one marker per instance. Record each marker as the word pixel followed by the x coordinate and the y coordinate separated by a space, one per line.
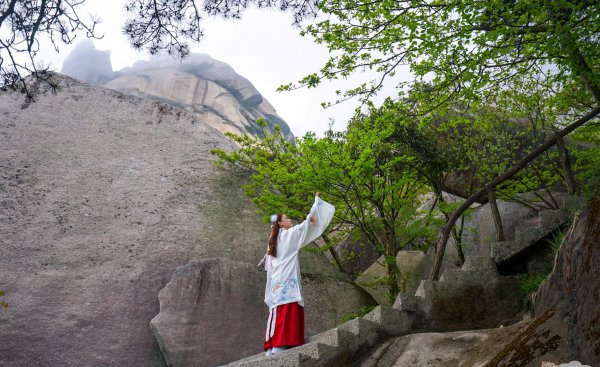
pixel 273 166
pixel 375 173
pixel 585 146
pixel 462 49
pixel 459 47
pixel 458 51
pixel 378 171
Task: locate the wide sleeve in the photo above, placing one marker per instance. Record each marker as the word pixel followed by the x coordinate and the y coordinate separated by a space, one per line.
pixel 306 232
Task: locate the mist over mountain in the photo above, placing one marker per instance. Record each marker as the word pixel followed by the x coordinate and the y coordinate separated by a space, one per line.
pixel 87 63
pixel 198 84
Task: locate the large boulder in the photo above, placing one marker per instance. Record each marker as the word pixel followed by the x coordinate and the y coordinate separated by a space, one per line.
pixel 211 301
pixel 204 86
pixel 457 349
pixel 572 291
pixel 102 197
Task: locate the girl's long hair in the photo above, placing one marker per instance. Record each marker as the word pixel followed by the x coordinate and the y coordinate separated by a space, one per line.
pixel 274 236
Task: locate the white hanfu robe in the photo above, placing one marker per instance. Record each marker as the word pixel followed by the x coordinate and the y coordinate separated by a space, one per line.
pixel 283 271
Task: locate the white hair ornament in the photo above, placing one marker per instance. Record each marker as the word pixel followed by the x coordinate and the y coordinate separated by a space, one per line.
pixel 273 218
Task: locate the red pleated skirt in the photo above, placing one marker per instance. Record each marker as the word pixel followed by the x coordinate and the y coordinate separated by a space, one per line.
pixel 285 327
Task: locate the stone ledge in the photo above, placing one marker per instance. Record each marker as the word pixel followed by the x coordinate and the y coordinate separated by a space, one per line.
pixel 391 321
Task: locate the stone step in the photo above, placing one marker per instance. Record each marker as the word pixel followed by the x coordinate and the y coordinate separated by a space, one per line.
pixel 391 321
pixel 335 344
pixel 457 276
pixel 408 303
pixel 475 270
pixel 309 354
pixel 329 337
pixel 480 264
pixel 358 334
pixel 430 290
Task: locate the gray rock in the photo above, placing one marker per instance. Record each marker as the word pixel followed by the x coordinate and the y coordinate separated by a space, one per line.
pixel 392 321
pixel 525 237
pixel 199 84
pixel 204 86
pixel 212 311
pixel 357 254
pixel 103 196
pixel 457 349
pixel 520 223
pixel 572 291
pixel 408 302
pixel 111 194
pixel 473 297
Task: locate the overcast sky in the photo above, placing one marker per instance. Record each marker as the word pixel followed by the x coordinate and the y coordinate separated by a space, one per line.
pixel 263 47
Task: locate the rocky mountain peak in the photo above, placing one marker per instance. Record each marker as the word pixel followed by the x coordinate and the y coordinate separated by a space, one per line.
pixel 206 87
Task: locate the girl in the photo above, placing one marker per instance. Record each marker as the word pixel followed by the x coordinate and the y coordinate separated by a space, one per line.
pixel 283 293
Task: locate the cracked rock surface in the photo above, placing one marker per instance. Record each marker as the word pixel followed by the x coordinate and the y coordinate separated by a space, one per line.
pixel 102 197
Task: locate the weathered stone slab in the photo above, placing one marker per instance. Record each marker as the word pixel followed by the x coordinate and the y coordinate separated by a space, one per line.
pixel 102 197
pixel 391 321
pixel 468 299
pixel 212 311
pixel 526 236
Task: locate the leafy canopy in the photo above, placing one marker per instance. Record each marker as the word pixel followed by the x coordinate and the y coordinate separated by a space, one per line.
pixel 375 174
pixel 460 47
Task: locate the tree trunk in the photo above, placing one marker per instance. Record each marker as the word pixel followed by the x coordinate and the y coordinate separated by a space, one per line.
pixel 496 216
pixel 446 229
pixel 334 254
pixel 455 234
pixel 390 265
pixel 565 162
pixel 458 241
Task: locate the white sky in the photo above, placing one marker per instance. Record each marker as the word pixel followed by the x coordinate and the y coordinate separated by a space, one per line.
pixel 263 47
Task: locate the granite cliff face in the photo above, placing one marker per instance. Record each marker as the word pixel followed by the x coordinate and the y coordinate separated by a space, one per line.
pixel 572 291
pixel 199 84
pixel 102 197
